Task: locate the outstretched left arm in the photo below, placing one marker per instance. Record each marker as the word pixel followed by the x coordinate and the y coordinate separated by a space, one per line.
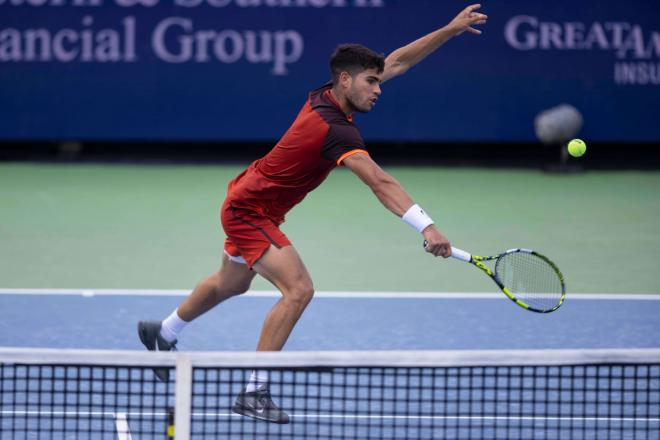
pixel 402 59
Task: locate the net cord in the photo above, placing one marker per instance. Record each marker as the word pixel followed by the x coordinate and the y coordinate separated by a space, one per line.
pixel 286 359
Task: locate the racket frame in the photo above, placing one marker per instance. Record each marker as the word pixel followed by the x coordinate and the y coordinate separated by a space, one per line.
pixel 478 261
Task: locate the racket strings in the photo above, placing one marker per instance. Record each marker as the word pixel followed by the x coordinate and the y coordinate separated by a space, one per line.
pixel 531 279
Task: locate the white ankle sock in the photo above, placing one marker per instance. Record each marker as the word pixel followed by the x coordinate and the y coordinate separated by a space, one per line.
pixel 257 378
pixel 172 326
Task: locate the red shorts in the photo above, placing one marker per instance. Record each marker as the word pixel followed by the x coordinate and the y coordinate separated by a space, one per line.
pixel 249 234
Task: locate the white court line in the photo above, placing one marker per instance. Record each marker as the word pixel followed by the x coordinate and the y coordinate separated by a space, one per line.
pixel 57 413
pixel 327 294
pixel 117 417
pixel 475 418
pixel 123 433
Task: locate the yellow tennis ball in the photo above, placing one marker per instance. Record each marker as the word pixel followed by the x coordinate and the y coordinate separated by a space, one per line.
pixel 577 147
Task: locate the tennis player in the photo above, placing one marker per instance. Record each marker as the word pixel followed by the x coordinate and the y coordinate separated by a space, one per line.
pixel 321 138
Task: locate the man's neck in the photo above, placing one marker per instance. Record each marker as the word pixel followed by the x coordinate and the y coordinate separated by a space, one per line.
pixel 342 101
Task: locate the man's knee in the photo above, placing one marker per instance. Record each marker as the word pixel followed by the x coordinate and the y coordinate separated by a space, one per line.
pixel 240 289
pixel 301 294
pixel 232 288
pixel 228 287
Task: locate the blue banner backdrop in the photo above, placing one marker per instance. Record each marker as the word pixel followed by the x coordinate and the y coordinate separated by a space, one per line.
pixel 240 69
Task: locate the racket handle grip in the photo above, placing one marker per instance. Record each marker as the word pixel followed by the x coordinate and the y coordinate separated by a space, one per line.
pixel 460 254
pixel 457 253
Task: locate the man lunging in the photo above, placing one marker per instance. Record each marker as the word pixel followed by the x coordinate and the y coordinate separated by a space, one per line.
pixel 321 138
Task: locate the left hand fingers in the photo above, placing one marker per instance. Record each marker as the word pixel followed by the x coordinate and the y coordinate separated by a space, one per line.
pixel 471 8
pixel 474 31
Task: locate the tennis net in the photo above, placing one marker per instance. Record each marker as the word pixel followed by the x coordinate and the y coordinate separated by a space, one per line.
pixel 492 394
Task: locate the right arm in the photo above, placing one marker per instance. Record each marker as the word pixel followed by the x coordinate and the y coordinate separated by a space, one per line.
pixel 392 195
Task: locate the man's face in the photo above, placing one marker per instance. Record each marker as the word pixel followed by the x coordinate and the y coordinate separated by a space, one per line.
pixel 363 90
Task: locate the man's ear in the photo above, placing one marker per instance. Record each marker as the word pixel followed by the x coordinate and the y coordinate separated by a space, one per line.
pixel 345 79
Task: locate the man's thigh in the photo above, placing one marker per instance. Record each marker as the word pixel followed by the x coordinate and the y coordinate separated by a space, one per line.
pixel 235 275
pixel 284 268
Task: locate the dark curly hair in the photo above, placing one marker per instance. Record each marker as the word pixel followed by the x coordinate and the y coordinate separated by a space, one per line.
pixel 354 58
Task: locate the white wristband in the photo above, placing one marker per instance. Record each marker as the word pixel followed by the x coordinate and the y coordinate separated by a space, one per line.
pixel 417 218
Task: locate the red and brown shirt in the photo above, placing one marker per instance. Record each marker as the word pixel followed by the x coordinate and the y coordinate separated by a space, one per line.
pixel 320 138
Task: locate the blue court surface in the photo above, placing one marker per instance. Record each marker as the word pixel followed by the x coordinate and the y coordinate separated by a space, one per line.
pixel 364 403
pixel 333 321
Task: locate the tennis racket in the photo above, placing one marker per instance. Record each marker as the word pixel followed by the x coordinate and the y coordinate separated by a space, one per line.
pixel 526 277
